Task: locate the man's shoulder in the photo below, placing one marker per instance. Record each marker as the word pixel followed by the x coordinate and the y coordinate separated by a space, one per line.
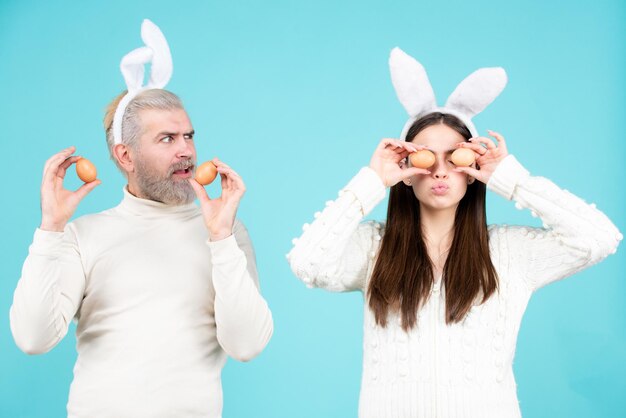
pixel 94 220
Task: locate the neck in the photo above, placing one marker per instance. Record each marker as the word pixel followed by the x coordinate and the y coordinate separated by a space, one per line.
pixel 438 227
pixel 133 189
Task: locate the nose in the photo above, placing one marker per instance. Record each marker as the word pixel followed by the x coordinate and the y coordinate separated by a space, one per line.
pixel 440 169
pixel 184 148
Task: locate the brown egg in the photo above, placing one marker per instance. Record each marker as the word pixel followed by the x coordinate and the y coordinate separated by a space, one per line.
pixel 422 158
pixel 463 157
pixel 206 173
pixel 86 170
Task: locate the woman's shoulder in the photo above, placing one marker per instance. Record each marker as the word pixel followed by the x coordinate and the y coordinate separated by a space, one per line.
pixel 371 230
pixel 497 230
pixel 502 236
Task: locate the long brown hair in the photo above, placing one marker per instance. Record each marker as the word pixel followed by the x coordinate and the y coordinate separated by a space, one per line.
pixel 403 275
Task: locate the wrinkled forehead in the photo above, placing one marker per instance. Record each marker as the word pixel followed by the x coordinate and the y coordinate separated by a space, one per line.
pixel 158 120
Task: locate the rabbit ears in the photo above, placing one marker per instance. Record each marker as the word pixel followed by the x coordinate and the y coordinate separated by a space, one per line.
pixel 416 94
pixel 156 52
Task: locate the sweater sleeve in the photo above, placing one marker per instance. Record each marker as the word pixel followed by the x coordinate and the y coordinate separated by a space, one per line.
pixel 49 292
pixel 336 251
pixel 575 235
pixel 243 318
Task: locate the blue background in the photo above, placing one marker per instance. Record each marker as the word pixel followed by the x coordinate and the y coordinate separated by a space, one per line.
pixel 295 96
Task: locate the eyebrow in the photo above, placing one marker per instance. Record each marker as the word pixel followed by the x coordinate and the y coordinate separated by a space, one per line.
pixel 166 133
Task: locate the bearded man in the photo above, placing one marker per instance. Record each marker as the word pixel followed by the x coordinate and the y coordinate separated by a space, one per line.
pixel 162 290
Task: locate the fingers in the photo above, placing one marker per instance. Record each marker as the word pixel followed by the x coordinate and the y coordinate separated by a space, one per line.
pixel 470 171
pixel 413 171
pixel 84 190
pixel 65 165
pixel 485 141
pixel 477 148
pixel 230 179
pixel 53 163
pixel 201 194
pixel 499 138
pixel 59 157
pixel 398 146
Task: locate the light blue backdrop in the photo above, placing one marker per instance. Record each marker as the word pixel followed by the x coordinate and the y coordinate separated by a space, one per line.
pixel 295 96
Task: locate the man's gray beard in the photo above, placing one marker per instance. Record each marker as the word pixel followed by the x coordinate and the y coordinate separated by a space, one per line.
pixel 163 188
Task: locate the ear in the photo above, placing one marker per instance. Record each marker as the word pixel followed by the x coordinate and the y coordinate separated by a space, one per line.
pixel 411 83
pixel 470 180
pixel 477 91
pixel 403 166
pixel 122 154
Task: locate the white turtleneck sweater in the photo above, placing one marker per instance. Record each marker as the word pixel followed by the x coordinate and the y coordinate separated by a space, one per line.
pixel 158 305
pixel 465 369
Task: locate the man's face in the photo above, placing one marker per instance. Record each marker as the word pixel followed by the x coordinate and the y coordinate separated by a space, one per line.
pixel 165 157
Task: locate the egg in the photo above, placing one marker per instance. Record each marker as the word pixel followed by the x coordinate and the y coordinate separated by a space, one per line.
pixel 86 170
pixel 463 157
pixel 422 158
pixel 206 173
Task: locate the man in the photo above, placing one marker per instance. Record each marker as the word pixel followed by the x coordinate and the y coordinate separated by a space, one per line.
pixel 162 290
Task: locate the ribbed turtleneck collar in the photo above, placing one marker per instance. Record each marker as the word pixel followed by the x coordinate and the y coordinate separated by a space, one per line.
pixel 147 208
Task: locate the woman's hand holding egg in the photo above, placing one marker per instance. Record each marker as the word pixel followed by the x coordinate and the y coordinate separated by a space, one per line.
pixel 487 155
pixel 57 203
pixel 388 161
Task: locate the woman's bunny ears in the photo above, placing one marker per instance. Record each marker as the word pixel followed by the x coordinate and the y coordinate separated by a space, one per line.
pixel 157 52
pixel 416 94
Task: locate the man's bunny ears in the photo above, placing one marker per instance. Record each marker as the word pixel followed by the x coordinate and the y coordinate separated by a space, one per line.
pixel 416 94
pixel 157 52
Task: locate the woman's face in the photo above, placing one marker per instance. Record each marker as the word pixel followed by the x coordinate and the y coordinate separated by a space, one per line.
pixel 443 188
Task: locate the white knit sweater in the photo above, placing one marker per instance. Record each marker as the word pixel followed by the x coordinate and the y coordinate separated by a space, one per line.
pixel 158 306
pixel 462 370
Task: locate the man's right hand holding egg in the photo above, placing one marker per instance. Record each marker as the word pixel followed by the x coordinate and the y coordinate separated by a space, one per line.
pixel 57 203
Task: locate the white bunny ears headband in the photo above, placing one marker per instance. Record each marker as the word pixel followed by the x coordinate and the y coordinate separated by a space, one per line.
pixel 416 94
pixel 157 52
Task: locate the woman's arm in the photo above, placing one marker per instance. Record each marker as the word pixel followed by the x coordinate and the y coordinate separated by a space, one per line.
pixel 575 235
pixel 335 252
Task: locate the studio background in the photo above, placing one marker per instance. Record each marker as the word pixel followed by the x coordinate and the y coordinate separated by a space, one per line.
pixel 295 96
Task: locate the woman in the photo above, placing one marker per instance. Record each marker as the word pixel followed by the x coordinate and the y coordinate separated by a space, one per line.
pixel 444 293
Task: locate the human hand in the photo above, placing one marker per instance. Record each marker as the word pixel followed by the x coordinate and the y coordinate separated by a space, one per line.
pixel 57 203
pixel 388 161
pixel 219 213
pixel 488 156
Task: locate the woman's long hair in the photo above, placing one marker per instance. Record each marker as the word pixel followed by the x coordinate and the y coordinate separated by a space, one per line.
pixel 403 275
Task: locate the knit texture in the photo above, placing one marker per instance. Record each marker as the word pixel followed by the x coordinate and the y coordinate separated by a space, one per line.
pixel 159 307
pixel 463 370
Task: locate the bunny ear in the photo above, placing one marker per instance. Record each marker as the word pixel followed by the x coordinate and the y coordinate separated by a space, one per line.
pixel 411 83
pixel 161 69
pixel 156 52
pixel 477 91
pixel 132 67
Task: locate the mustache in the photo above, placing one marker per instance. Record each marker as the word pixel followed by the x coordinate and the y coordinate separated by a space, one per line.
pixel 183 165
